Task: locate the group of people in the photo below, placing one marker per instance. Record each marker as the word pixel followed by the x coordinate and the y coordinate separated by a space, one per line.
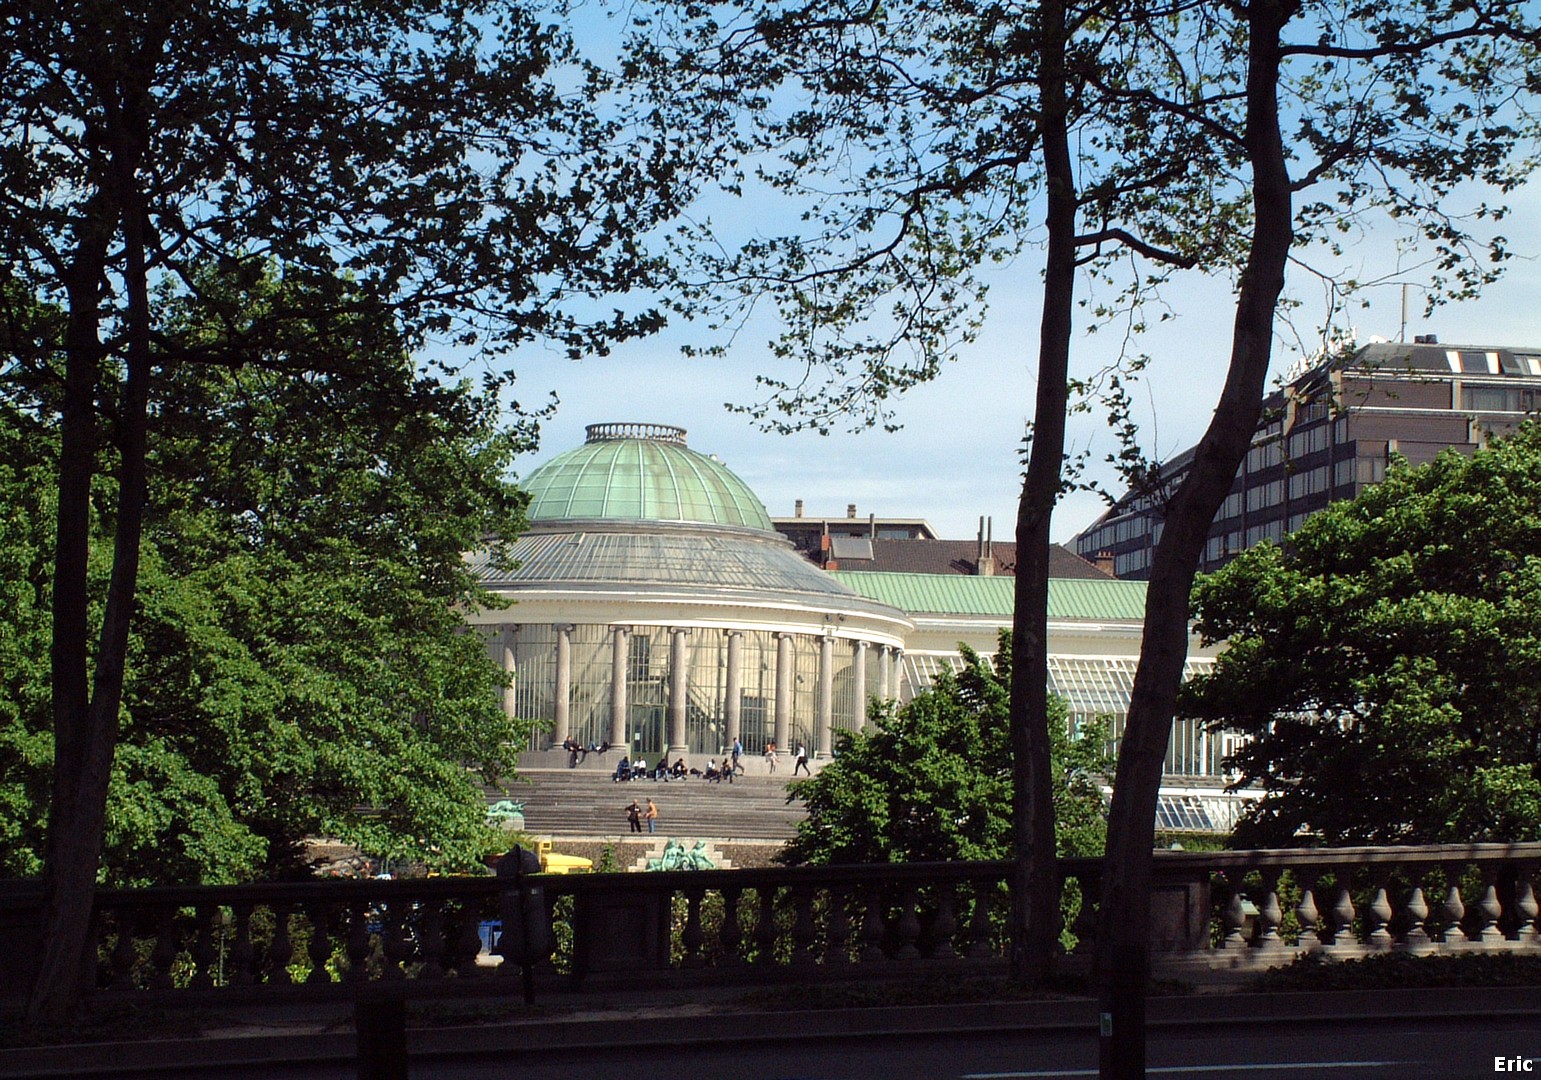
pixel 577 752
pixel 636 815
pixel 716 772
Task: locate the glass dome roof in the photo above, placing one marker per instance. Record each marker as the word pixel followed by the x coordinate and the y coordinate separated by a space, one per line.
pixel 641 472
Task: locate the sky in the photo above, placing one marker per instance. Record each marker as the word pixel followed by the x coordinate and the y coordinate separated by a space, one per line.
pixel 957 456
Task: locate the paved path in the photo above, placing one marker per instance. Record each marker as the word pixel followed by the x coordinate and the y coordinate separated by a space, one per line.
pixel 1386 1035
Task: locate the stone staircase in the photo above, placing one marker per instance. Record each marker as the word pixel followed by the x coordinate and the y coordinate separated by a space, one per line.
pixel 588 803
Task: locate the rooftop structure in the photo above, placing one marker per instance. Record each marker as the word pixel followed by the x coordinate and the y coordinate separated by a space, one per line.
pixel 1329 434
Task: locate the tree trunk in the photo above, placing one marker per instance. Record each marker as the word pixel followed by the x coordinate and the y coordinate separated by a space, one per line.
pixel 86 731
pixel 1122 965
pixel 1035 883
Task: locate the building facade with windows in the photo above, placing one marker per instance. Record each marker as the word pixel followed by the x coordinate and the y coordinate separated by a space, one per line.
pixel 652 605
pixel 1330 433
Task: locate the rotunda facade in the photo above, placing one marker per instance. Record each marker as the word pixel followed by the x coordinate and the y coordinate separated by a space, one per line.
pixel 654 607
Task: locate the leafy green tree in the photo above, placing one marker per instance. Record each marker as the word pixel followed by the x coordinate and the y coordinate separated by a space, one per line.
pixel 438 166
pixel 1384 662
pixel 298 664
pixel 932 779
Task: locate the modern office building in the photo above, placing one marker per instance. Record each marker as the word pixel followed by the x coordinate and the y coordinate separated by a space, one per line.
pixel 652 604
pixel 1328 434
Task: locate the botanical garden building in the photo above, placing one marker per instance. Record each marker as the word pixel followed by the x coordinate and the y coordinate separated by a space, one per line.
pixel 654 607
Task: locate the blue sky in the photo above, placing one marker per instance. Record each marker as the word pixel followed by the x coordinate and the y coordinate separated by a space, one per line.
pixel 956 457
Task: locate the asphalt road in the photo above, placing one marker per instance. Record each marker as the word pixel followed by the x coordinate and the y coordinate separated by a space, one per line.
pixel 1421 1048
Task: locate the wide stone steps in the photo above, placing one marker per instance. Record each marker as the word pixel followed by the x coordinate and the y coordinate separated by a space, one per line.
pixel 580 802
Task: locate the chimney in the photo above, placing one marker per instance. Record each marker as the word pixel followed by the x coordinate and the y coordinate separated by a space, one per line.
pixel 850 510
pixel 1425 339
pixel 872 526
pixel 984 566
pixel 1103 561
pixel 797 508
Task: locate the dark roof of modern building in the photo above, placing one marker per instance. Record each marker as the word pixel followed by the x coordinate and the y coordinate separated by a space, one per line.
pixel 960 557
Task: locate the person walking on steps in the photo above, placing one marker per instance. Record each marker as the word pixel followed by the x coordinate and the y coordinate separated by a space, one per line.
pixel 738 751
pixel 651 816
pixel 802 760
pixel 770 756
pixel 634 816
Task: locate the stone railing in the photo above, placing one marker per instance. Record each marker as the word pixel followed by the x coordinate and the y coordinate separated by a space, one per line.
pixel 1209 911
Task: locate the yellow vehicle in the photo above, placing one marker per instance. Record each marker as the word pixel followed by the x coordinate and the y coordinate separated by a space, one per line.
pixel 552 862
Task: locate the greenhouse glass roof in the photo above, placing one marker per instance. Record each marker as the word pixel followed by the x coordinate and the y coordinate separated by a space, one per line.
pixel 641 472
pixel 957 594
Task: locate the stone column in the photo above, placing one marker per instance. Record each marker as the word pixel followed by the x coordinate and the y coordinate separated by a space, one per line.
pixel 679 682
pixel 859 683
pixel 733 690
pixel 618 657
pixel 898 675
pixel 511 669
pixel 885 673
pixel 783 728
pixel 562 703
pixel 826 701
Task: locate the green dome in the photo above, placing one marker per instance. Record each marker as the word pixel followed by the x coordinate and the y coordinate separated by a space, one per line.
pixel 641 472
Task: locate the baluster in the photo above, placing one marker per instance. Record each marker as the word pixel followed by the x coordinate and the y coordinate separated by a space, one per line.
pixel 281 951
pixel 468 941
pixel 1084 927
pixel 242 955
pixel 803 930
pixel 946 923
pixel 692 938
pixel 123 953
pixel 1269 914
pixel 1343 915
pixel 1526 907
pixel 1453 909
pixel 1490 907
pixel 1234 917
pixel 765 932
pixel 358 942
pixel 394 940
pixel 319 949
pixel 908 927
pixel 979 923
pixel 204 954
pixel 873 931
pixel 1307 914
pixel 1417 938
pixel 168 944
pixel 837 928
pixel 431 940
pixel 731 936
pixel 1377 919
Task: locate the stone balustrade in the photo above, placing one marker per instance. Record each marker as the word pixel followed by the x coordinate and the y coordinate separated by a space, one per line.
pixel 1210 910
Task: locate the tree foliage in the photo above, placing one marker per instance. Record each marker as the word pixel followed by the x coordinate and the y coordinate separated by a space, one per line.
pixel 931 780
pixel 1384 663
pixel 298 665
pixel 438 166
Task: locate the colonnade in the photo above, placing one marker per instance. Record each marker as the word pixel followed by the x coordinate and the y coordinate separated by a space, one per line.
pixel 886 683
